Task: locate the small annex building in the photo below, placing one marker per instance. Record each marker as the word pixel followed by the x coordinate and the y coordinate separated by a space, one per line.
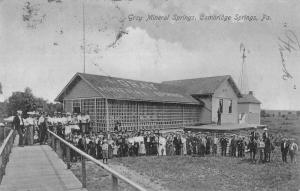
pixel 249 109
pixel 147 105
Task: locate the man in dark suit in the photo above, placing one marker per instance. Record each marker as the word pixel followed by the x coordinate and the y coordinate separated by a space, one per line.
pixel 219 112
pixel 233 144
pixel 265 134
pixel 18 124
pixel 152 144
pixel 223 142
pixel 284 149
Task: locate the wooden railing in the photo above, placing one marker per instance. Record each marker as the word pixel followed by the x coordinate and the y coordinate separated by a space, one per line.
pixel 56 143
pixel 5 150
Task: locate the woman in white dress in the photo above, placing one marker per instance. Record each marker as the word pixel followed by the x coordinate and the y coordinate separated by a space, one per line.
pixel 142 149
pixel 183 140
pixel 162 146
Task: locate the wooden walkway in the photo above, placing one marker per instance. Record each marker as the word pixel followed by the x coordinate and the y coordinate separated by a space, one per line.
pixel 38 168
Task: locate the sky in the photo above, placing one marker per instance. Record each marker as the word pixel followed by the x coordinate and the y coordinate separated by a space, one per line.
pixel 41 44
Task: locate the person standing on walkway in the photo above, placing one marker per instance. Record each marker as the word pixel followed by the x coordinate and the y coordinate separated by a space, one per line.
pixel 18 124
pixel 42 128
pixel 30 128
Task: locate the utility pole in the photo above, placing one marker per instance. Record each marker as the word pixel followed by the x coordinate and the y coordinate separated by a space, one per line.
pixel 243 77
pixel 83 35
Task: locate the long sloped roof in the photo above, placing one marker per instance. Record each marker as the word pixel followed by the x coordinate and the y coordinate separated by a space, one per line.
pixel 204 86
pixel 125 89
pixel 248 98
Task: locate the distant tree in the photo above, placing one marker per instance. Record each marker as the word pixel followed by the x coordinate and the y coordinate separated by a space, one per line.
pixel 24 101
pixel 52 107
pixel 3 107
pixel 28 91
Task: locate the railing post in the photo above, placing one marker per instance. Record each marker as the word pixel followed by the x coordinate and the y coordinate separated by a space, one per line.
pixel 49 140
pixel 58 148
pixel 4 161
pixel 68 157
pixel 4 136
pixel 53 142
pixel 114 183
pixel 83 172
pixel 5 151
pixel 84 156
pixel 1 168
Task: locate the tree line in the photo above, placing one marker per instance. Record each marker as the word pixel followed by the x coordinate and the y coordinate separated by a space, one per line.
pixel 26 102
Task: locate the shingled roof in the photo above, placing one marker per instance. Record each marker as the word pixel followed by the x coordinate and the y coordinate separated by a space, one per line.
pixel 204 86
pixel 248 98
pixel 125 89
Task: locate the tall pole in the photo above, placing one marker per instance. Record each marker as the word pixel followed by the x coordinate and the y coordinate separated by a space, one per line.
pixel 243 64
pixel 107 115
pixel 83 35
pixel 243 76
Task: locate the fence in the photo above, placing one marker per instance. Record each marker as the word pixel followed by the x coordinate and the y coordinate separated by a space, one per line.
pixel 56 143
pixel 5 150
pixel 4 131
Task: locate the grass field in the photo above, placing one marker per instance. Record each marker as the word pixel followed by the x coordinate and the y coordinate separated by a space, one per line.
pixel 205 173
pixel 284 127
pixel 197 173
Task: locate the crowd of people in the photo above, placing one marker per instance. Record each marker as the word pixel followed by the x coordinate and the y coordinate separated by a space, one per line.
pixel 75 128
pixel 33 128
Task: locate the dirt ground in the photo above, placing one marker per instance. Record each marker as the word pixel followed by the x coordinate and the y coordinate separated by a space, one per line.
pixel 204 173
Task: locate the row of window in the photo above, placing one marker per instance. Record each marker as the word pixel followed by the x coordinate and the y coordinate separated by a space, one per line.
pixel 221 105
pixel 133 113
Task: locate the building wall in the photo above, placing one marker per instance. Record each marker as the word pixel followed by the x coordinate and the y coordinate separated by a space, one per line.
pixel 148 115
pixel 243 108
pixel 81 90
pixel 86 106
pixel 136 115
pixel 251 112
pixel 225 92
pixel 68 106
pixel 254 108
pixel 206 111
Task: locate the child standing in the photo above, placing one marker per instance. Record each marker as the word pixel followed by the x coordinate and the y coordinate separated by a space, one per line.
pixel 105 151
pixel 115 150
